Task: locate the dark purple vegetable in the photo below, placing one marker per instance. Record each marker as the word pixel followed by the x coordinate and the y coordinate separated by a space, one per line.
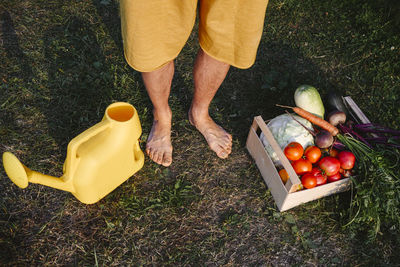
pixel 324 139
pixel 338 145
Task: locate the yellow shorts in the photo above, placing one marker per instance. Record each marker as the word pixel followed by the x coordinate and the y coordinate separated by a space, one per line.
pixel 155 31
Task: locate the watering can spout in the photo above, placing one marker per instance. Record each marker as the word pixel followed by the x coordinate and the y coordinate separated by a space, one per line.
pixel 22 175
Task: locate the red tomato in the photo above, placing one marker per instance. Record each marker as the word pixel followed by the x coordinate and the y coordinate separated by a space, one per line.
pixel 301 166
pixel 294 151
pixel 333 152
pixel 329 165
pixel 315 171
pixel 334 178
pixel 321 178
pixel 312 153
pixel 309 181
pixel 347 160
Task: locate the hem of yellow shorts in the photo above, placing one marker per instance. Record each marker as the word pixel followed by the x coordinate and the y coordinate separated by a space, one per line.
pixel 224 60
pixel 172 58
pixel 148 70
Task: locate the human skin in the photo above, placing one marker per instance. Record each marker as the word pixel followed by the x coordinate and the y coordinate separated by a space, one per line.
pixel 208 74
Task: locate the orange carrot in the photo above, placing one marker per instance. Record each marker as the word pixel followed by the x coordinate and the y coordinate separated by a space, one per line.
pixel 314 119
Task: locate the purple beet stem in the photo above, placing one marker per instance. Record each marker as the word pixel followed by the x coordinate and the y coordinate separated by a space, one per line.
pixel 374 128
pixel 346 129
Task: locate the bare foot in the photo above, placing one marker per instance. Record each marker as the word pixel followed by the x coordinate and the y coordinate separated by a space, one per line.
pixel 158 146
pixel 217 138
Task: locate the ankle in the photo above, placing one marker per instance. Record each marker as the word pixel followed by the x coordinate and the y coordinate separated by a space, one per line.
pixel 198 114
pixel 162 115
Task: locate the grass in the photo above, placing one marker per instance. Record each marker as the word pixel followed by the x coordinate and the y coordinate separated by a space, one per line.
pixel 62 64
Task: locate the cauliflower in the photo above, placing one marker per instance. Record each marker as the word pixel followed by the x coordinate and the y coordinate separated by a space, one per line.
pixel 285 130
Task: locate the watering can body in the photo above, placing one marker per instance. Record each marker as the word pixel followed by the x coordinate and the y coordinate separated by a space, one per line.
pixel 98 160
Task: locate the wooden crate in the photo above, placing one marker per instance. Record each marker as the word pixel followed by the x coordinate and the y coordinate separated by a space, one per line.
pixel 289 195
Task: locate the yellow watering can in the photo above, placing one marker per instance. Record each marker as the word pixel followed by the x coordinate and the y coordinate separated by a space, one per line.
pixel 98 160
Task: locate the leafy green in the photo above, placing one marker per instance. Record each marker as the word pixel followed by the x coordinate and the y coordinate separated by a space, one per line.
pixel 376 202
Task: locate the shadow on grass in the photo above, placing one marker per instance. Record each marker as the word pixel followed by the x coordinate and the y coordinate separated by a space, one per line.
pixel 80 88
pixel 108 14
pixel 12 48
pixel 21 70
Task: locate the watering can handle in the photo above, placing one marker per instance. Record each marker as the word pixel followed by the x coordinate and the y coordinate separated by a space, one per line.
pixel 81 138
pixel 137 152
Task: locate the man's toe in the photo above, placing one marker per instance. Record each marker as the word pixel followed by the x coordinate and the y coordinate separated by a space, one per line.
pixel 227 146
pixel 160 157
pixel 167 159
pixel 222 153
pixel 151 153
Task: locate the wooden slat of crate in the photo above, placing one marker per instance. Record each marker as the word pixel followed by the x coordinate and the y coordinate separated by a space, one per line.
pixel 356 110
pixel 294 183
pixel 294 199
pixel 266 167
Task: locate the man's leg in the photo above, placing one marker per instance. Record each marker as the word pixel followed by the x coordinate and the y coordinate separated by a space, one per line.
pixel 208 74
pixel 158 86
